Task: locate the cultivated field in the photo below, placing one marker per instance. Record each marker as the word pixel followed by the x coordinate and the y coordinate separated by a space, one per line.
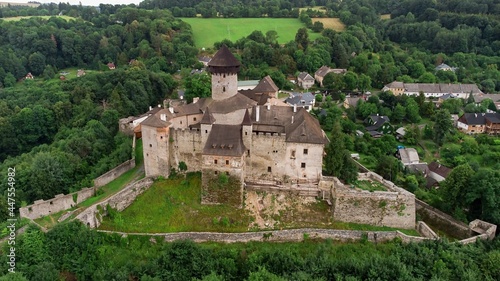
pixel 333 23
pixel 208 31
pixel 43 17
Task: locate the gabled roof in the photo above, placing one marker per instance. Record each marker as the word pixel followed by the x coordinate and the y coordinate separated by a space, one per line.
pixel 266 85
pixel 478 118
pixel 231 104
pixel 305 76
pixel 409 155
pixel 305 129
pixel 307 98
pixel 224 58
pixel 154 121
pixel 260 98
pixel 480 97
pixel 322 71
pixel 298 126
pixel 439 169
pixel 224 140
pixel 378 121
pixel 395 85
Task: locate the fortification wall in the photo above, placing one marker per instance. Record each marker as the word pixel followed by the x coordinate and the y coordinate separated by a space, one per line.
pixel 114 173
pixel 186 146
pixel 441 220
pixel 61 202
pixel 426 231
pixel 92 216
pixel 381 208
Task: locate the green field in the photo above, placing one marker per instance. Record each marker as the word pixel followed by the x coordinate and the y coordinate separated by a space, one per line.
pixel 43 17
pixel 208 31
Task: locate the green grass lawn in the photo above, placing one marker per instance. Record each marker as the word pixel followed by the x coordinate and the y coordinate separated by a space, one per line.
pixel 174 205
pixel 370 185
pixel 208 31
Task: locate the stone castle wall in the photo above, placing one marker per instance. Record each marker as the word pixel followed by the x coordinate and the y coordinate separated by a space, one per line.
pixel 441 220
pixel 393 208
pixel 114 173
pixel 61 202
pixel 92 216
pixel 186 146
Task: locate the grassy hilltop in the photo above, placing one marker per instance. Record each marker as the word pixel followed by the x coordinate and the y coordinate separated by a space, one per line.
pixel 208 31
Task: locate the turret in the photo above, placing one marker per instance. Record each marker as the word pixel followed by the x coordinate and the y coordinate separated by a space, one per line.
pixel 224 68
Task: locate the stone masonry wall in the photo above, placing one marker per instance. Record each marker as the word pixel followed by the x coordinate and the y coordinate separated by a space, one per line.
pixel 92 216
pixel 61 202
pixel 186 146
pixel 393 208
pixel 114 173
pixel 442 220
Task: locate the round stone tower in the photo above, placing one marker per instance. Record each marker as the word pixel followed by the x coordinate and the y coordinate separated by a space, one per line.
pixel 224 68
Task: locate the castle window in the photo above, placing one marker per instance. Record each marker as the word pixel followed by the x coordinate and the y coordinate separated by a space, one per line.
pixel 181 122
pixel 194 118
pixel 206 131
pixel 246 133
pixel 216 172
pixel 248 153
pixel 305 151
pixel 269 169
pixel 161 137
pixel 215 161
pixel 227 173
pixel 293 154
pixel 227 162
pixel 224 88
pixel 224 75
pixel 150 145
pixel 302 165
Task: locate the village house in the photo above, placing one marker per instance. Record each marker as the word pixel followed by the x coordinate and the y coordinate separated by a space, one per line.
pixel 478 123
pixel 377 125
pixel 431 90
pixel 111 65
pixel 445 67
pixel 320 74
pixel 305 80
pixel 305 100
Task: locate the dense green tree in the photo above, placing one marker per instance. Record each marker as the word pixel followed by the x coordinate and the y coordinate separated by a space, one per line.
pixel 302 38
pixel 412 111
pixel 399 113
pixel 197 85
pixel 454 189
pixel 442 126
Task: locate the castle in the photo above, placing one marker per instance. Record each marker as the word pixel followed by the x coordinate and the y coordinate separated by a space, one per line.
pixel 241 134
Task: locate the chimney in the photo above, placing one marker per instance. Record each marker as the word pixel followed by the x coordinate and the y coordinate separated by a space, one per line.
pixel 257 113
pixel 294 108
pixel 163 117
pixel 171 109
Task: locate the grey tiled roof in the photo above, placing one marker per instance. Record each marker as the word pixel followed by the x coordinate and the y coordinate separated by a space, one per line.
pixel 224 140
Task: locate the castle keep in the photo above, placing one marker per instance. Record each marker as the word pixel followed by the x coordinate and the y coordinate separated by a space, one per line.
pixel 243 135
